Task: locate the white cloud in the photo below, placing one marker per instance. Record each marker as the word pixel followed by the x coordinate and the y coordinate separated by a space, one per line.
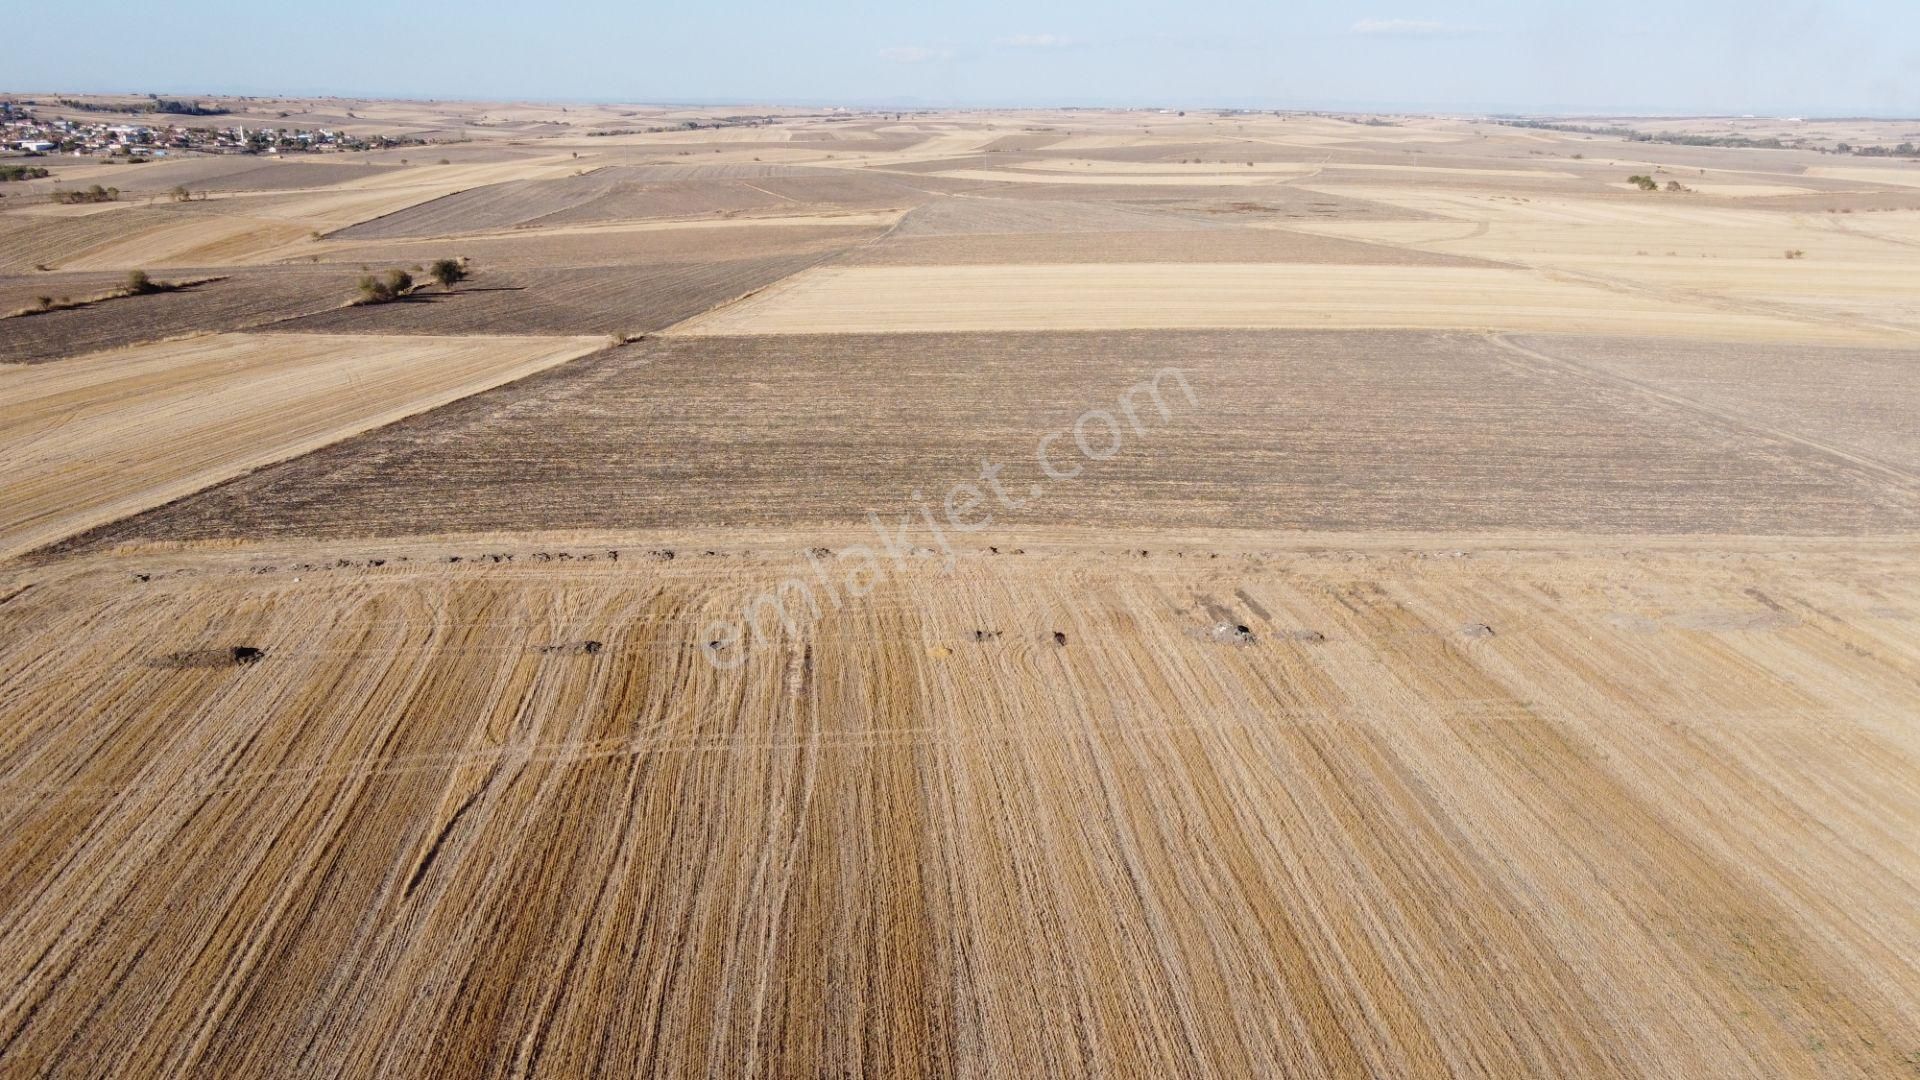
pixel 1036 41
pixel 914 54
pixel 1407 28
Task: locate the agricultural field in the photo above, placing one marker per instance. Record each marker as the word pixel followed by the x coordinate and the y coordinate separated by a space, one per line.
pixel 1042 592
pixel 973 297
pixel 1151 245
pixel 1525 814
pixel 1380 430
pixel 89 439
pixel 1859 401
pixel 629 243
pixel 574 300
pixel 227 299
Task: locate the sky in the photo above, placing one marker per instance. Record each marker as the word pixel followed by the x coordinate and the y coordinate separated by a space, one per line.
pixel 1794 58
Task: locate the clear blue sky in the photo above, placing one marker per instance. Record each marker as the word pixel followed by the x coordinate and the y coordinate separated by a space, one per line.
pixel 1788 57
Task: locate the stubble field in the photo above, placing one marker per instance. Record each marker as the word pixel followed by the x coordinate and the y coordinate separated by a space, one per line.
pixel 92 439
pixel 1560 810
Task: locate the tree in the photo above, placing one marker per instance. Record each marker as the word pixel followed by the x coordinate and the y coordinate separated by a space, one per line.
pixel 448 272
pixel 1644 183
pixel 139 284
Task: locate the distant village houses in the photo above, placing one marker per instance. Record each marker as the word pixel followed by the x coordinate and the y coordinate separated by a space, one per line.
pixel 24 132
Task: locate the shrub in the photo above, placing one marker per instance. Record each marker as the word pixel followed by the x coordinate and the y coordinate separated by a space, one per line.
pixel 1677 186
pixel 1644 183
pixel 447 272
pixel 22 172
pixel 139 284
pixel 180 193
pixel 94 194
pixel 1796 253
pixel 385 289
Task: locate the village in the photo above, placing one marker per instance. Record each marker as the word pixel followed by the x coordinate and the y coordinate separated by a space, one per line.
pixel 22 131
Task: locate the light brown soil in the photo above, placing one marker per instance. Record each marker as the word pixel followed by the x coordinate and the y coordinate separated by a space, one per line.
pixel 1288 431
pixel 242 298
pixel 583 300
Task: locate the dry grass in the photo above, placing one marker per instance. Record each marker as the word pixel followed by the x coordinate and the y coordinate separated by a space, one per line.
pixel 431 825
pixel 96 438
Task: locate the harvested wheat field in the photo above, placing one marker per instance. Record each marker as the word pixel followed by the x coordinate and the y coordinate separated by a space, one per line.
pixel 667 591
pixel 1426 813
pixel 851 300
pixel 90 439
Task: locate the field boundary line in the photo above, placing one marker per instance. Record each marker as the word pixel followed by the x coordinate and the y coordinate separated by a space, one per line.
pixel 1893 472
pixel 1715 301
pixel 334 234
pixel 823 259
